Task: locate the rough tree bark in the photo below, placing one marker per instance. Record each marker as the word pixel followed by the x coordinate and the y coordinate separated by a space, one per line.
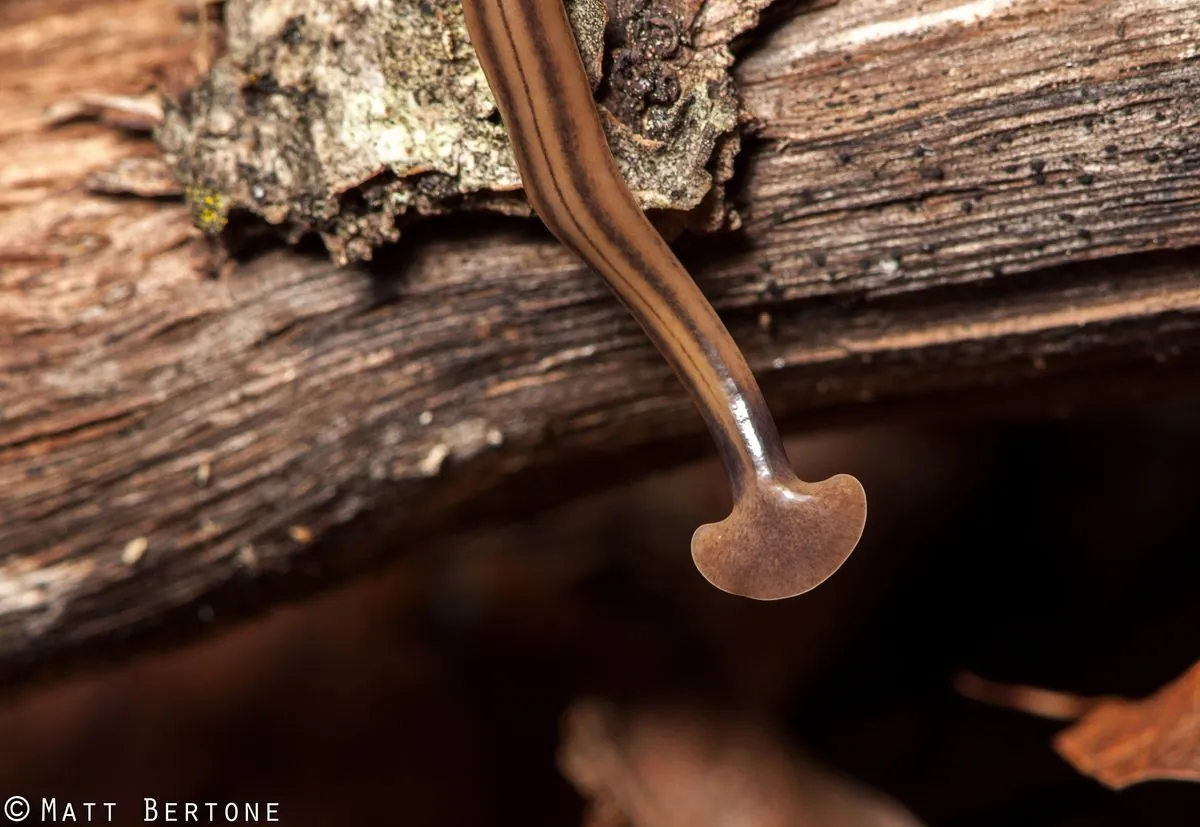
pixel 966 202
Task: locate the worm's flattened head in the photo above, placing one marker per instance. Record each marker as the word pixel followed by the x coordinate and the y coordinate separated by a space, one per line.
pixel 783 537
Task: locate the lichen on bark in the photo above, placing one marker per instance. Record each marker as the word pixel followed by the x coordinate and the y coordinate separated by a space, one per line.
pixel 351 118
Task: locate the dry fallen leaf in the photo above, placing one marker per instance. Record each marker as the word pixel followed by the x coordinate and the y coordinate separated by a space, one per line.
pixel 1116 741
pixel 681 767
pixel 1124 742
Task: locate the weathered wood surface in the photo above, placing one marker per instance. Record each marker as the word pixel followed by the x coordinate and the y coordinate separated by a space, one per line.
pixel 970 200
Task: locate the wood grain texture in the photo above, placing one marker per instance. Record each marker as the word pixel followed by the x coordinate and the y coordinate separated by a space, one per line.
pixel 972 202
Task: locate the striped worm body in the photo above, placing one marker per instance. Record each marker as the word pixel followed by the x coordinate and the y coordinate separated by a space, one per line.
pixel 784 536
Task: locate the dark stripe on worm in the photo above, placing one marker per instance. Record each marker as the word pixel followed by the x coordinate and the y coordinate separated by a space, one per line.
pixel 784 536
pixel 583 185
pixel 580 182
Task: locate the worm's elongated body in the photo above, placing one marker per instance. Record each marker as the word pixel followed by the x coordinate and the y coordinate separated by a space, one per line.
pixel 784 536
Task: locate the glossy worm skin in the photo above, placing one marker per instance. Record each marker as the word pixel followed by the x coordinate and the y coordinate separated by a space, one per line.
pixel 784 536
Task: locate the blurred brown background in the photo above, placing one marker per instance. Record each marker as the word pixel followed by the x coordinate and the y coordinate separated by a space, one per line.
pixel 1055 553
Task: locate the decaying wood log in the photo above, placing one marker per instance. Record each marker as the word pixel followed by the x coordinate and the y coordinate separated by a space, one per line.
pixel 963 201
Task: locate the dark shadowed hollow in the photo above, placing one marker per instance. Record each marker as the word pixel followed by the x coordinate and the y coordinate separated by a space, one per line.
pixel 1058 553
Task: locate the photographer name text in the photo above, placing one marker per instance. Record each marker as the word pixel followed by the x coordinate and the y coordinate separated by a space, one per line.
pixel 19 809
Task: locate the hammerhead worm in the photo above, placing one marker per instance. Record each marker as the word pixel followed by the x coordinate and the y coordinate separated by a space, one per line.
pixel 784 536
